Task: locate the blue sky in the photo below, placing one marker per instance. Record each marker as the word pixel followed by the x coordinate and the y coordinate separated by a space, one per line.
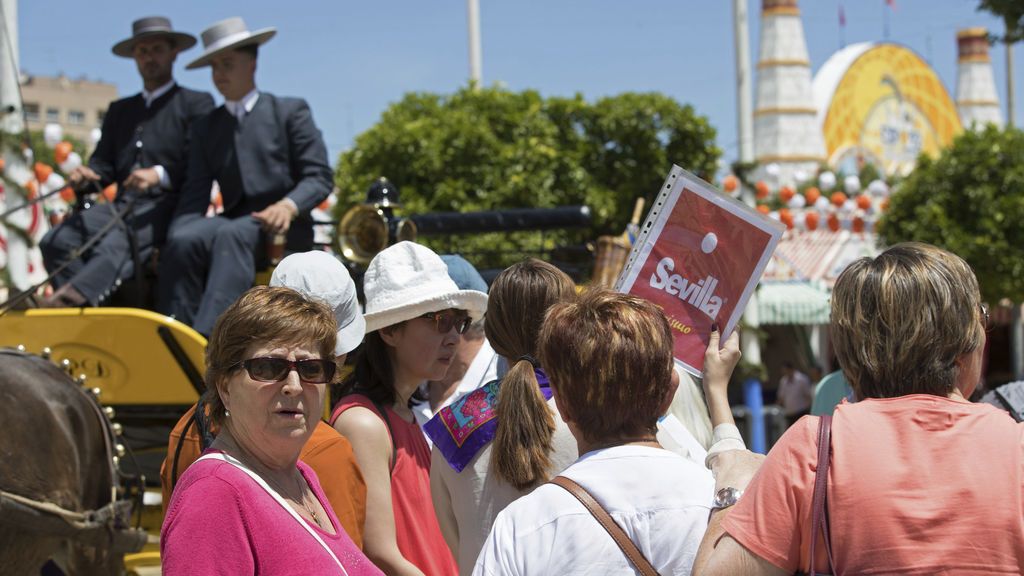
pixel 350 59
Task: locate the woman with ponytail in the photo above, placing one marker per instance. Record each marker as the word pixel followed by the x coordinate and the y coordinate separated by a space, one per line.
pixel 504 439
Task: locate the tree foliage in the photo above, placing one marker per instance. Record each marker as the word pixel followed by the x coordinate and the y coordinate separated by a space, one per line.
pixel 1012 14
pixel 970 201
pixel 493 148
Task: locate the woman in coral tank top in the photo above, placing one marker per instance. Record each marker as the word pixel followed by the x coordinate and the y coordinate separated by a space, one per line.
pixel 414 316
pixel 920 480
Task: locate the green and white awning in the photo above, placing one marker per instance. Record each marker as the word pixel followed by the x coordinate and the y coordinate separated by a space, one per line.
pixel 792 303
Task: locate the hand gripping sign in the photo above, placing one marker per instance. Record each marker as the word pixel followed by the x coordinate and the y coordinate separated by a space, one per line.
pixel 699 257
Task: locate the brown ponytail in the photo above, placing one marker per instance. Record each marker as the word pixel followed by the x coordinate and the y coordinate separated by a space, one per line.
pixel 516 304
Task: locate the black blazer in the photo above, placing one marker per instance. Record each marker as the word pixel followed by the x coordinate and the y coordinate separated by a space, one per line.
pixel 276 152
pixel 164 128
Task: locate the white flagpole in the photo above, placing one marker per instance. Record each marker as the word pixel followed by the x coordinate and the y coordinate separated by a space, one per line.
pixel 475 53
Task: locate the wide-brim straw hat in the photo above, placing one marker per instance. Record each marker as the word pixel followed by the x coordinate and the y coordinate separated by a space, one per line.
pixel 407 280
pixel 151 27
pixel 228 34
pixel 319 275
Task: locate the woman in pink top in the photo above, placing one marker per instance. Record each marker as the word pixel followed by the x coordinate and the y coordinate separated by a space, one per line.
pixel 248 506
pixel 920 480
pixel 414 316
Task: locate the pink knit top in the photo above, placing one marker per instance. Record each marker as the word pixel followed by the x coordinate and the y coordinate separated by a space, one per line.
pixel 220 521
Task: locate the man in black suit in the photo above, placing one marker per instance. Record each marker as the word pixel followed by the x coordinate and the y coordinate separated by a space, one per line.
pixel 270 162
pixel 144 148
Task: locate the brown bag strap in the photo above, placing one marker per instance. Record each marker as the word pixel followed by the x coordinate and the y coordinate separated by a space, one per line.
pixel 606 521
pixel 819 514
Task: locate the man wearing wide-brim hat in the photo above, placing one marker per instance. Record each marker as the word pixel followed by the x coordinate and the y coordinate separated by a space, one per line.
pixel 270 161
pixel 143 149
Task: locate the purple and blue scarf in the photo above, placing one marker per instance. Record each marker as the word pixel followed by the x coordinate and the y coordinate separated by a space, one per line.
pixel 463 428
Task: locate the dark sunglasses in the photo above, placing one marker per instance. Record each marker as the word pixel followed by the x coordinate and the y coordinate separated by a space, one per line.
pixel 445 321
pixel 314 370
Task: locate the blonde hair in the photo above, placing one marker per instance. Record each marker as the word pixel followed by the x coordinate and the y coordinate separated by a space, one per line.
pixel 516 304
pixel 901 320
pixel 263 315
pixel 609 357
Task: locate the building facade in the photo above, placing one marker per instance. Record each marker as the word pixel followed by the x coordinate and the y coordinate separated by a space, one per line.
pixel 77 105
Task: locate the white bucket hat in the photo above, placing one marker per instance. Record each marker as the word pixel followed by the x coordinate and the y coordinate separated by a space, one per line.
pixel 407 280
pixel 319 275
pixel 228 34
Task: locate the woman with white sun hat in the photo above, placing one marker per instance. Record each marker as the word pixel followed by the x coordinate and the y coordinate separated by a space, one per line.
pixel 414 316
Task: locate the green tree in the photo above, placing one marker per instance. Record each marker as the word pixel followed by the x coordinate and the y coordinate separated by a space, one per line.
pixel 970 201
pixel 493 148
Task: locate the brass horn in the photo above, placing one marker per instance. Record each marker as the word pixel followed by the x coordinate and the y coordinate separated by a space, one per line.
pixel 367 229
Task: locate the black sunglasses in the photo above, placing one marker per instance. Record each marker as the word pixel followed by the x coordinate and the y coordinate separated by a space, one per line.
pixel 314 370
pixel 445 321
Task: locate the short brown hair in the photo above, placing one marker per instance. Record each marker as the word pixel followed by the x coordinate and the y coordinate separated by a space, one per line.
pixel 263 315
pixel 609 358
pixel 516 304
pixel 901 320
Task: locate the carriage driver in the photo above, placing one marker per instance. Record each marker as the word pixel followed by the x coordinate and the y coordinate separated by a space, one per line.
pixel 271 163
pixel 144 148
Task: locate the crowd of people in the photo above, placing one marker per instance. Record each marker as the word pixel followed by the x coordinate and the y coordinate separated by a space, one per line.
pixel 528 427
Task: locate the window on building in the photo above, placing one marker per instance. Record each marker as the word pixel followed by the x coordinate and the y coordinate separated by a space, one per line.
pixel 32 112
pixel 100 115
pixel 76 117
pixel 52 115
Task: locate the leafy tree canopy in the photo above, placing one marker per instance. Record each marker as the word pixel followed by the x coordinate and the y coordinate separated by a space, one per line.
pixel 1012 14
pixel 970 201
pixel 493 148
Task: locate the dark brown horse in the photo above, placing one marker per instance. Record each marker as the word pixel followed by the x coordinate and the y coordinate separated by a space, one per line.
pixel 55 448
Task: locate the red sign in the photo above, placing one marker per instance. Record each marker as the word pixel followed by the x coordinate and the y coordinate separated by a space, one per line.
pixel 699 258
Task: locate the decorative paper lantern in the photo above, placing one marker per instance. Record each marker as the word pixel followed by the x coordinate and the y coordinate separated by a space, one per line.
pixel 884 206
pixel 838 198
pixel 848 207
pixel 42 171
pixel 811 220
pixel 786 217
pixel 797 202
pixel 763 209
pixel 786 193
pixel 772 170
pixel 762 190
pixel 67 194
pixel 827 180
pixel 851 184
pixel 858 224
pixel 800 176
pixel 32 188
pixel 878 188
pixel 70 163
pixel 52 134
pixel 61 151
pixel 833 222
pixel 821 203
pixel 3 164
pixel 812 194
pixel 730 183
pixel 110 192
pixel 863 202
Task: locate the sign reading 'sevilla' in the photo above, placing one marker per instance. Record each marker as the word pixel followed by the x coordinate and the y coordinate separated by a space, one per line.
pixel 699 256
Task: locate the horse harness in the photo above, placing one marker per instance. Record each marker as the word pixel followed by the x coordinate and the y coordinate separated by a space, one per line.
pixel 107 526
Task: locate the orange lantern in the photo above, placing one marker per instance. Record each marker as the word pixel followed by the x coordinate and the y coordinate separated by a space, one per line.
pixel 811 219
pixel 786 217
pixel 67 194
pixel 858 224
pixel 863 202
pixel 885 205
pixel 838 198
pixel 812 194
pixel 42 171
pixel 32 188
pixel 833 223
pixel 3 163
pixel 730 183
pixel 786 194
pixel 762 190
pixel 325 205
pixel 763 209
pixel 61 151
pixel 110 192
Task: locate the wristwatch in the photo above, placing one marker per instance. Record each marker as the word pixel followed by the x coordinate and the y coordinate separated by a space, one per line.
pixel 726 497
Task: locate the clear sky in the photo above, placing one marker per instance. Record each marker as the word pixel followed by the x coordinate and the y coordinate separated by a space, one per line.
pixel 351 58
